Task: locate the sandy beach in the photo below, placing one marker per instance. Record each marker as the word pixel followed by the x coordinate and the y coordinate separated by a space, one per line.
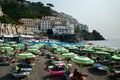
pixel 39 71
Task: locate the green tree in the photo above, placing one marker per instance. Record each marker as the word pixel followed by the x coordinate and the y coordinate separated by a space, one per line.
pixel 76 30
pixel 17 9
pixel 49 32
pixel 6 19
pixel 50 5
pixel 21 1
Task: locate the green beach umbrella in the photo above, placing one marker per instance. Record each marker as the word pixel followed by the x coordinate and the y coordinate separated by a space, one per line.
pixel 6 45
pixel 72 47
pixel 111 50
pixel 89 50
pixel 6 48
pixel 116 57
pixel 12 43
pixel 61 50
pixel 1 41
pixel 68 55
pixel 25 55
pixel 1 44
pixel 82 60
pixel 66 45
pixel 53 55
pixel 33 47
pixel 33 50
pixel 54 46
pixel 101 53
pixel 17 45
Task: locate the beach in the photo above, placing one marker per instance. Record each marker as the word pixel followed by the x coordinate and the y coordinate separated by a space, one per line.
pixel 40 72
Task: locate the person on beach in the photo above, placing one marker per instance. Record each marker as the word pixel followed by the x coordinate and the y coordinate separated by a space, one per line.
pixel 76 75
pixel 19 70
pixel 25 47
pixel 28 61
pixel 68 60
pixel 75 72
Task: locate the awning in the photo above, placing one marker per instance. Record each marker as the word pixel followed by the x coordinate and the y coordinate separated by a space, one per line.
pixel 27 36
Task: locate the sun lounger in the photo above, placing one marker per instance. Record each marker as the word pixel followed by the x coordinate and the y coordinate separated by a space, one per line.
pixel 99 67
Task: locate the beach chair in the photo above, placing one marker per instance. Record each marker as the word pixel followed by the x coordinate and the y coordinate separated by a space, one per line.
pixel 99 67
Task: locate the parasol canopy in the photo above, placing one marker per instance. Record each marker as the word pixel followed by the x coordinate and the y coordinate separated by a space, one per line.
pixel 73 47
pixel 68 55
pixel 116 57
pixel 61 50
pixel 6 48
pixel 33 50
pixel 25 55
pixel 101 53
pixel 82 60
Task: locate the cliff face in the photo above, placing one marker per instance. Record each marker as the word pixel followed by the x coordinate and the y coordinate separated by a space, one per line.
pixel 94 35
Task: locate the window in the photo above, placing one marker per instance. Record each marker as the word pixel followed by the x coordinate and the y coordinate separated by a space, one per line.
pixel 25 28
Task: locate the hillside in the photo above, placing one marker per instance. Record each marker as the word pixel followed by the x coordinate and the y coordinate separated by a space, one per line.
pixel 17 9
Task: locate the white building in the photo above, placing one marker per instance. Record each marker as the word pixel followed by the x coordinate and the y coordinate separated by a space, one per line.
pixel 54 20
pixel 1 12
pixel 35 25
pixel 83 27
pixel 63 29
pixel 59 25
pixel 42 25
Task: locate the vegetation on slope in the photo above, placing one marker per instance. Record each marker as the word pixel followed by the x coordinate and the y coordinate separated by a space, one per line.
pixel 17 9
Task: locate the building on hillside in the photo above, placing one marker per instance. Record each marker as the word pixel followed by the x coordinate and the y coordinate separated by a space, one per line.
pixel 56 20
pixel 35 26
pixel 70 18
pixel 83 27
pixel 58 30
pixel 1 12
pixel 47 22
pixel 53 20
pixel 29 25
pixel 42 25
